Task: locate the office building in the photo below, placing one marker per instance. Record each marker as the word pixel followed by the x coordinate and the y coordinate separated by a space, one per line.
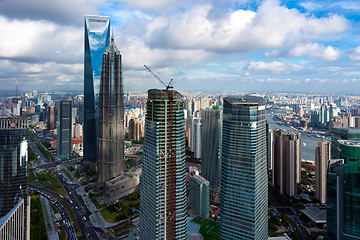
pixel 210 147
pixel 322 156
pixel 97 38
pixel 343 188
pixel 14 207
pixel 195 141
pixel 51 123
pixel 64 128
pixel 244 178
pixel 199 195
pixel 111 121
pixel 269 146
pixel 340 133
pixel 287 161
pixel 163 205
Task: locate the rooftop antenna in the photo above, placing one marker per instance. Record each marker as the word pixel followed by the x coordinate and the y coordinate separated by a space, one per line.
pixel 169 86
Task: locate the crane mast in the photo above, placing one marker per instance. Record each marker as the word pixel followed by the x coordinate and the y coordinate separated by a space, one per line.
pixel 159 79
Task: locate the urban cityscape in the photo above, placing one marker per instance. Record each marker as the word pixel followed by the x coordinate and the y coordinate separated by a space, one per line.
pixel 181 120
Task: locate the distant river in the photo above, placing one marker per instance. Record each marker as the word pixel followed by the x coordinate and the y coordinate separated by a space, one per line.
pixel 308 151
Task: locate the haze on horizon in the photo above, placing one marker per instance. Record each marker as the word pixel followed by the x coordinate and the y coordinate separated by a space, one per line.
pixel 235 45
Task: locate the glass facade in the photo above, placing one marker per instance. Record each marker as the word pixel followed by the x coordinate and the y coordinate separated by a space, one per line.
pixel 244 179
pixel 343 196
pixel 199 195
pixel 210 146
pixel 13 163
pixel 64 129
pixel 342 134
pixel 97 38
pixel 163 206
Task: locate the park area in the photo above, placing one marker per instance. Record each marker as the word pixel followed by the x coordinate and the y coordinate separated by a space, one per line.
pixel 208 229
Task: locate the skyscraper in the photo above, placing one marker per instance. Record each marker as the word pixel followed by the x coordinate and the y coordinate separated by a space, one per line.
pixel 340 133
pixel 211 137
pixel 111 121
pixel 322 155
pixel 199 195
pixel 163 206
pixel 343 188
pixel 195 140
pixel 51 124
pixel 97 38
pixel 270 147
pixel 14 203
pixel 244 179
pixel 287 161
pixel 64 128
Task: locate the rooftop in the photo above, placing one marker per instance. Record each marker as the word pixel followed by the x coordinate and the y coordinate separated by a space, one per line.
pixel 333 163
pixel 352 143
pixel 315 214
pixel 245 99
pixel 200 179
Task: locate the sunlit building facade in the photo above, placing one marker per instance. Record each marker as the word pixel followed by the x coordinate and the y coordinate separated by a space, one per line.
pixel 13 177
pixel 97 38
pixel 163 205
pixel 244 179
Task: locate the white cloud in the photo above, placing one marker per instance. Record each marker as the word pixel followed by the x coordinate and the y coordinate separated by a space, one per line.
pixel 315 51
pixel 272 26
pixel 136 54
pixel 275 67
pixel 67 12
pixel 28 40
pixel 153 4
pixel 355 54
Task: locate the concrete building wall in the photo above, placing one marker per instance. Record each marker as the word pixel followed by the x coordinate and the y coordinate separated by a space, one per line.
pixel 287 161
pixel 322 155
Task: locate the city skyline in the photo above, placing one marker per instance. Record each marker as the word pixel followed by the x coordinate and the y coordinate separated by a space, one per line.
pixel 237 45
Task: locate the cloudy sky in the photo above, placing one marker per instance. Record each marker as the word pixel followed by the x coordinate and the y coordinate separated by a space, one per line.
pixel 239 45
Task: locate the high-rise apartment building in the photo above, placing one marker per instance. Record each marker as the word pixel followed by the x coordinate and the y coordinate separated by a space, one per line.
pixel 163 206
pixel 199 195
pixel 14 207
pixel 210 146
pixel 244 179
pixel 136 129
pixel 287 161
pixel 97 38
pixel 64 128
pixel 322 155
pixel 111 121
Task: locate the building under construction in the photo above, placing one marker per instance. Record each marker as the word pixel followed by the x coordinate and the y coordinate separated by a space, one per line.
pixel 163 206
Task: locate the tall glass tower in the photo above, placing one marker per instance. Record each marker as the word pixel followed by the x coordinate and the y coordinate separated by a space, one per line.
pixel 111 125
pixel 64 128
pixel 343 192
pixel 210 147
pixel 163 206
pixel 97 38
pixel 13 173
pixel 244 179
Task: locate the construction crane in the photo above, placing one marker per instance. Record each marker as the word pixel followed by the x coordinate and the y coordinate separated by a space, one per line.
pixel 159 79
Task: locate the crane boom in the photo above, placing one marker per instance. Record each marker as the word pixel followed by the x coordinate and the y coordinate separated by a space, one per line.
pixel 159 79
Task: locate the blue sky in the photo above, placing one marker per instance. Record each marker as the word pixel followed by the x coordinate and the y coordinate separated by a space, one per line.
pixel 209 45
